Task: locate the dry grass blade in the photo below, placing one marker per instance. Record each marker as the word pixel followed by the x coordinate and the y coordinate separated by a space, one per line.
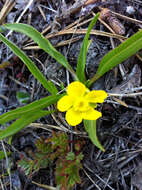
pixel 83 31
pixel 79 31
pixel 70 29
pixel 63 43
pixel 70 41
pixel 3 185
pixel 138 109
pixel 42 13
pixel 98 188
pixel 44 186
pixel 121 102
pixel 135 21
pixel 48 127
pixel 21 15
pixel 8 6
pixel 126 95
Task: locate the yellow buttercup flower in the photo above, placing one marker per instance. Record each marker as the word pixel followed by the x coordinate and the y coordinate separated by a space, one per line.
pixel 79 103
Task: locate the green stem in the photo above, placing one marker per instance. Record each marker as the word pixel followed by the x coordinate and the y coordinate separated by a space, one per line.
pixel 73 74
pixel 92 80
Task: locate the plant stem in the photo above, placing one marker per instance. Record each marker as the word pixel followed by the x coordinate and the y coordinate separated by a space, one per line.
pixel 92 80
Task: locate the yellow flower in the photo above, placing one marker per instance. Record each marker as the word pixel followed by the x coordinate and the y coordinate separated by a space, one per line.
pixel 79 103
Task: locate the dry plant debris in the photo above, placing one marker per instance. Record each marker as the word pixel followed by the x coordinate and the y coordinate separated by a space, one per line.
pixel 65 23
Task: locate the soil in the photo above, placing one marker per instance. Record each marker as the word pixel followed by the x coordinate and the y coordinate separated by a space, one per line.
pixel 120 128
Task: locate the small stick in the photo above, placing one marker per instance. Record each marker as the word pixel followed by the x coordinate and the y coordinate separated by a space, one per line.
pixel 125 95
pixel 8 6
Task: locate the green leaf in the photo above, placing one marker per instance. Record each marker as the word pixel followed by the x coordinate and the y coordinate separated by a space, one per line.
pixel 30 108
pixel 23 97
pixel 2 29
pixel 43 147
pixel 53 88
pixel 26 165
pixel 22 122
pixel 70 156
pixel 81 62
pixel 60 140
pixel 79 157
pixel 90 127
pixel 41 41
pixel 28 62
pixel 2 154
pixel 73 172
pixel 119 54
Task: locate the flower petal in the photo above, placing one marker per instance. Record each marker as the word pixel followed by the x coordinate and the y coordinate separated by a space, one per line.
pixel 64 103
pixel 76 89
pixel 81 105
pixel 73 118
pixel 91 114
pixel 96 96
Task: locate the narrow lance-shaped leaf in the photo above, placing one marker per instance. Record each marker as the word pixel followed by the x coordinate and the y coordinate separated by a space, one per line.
pixel 22 122
pixel 42 42
pixel 81 62
pixel 119 54
pixel 28 62
pixel 30 108
pixel 90 127
pixel 53 87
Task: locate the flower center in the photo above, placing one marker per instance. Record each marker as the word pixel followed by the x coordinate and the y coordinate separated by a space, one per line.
pixel 81 105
